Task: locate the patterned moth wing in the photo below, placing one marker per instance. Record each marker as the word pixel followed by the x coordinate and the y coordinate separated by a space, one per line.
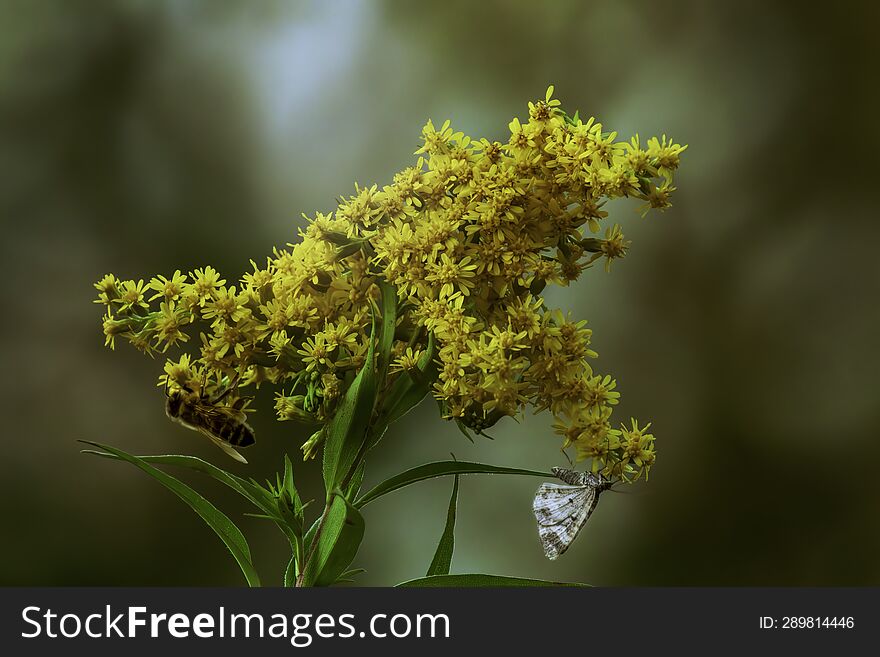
pixel 562 511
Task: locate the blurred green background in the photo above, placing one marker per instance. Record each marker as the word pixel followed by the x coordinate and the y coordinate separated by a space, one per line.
pixel 141 137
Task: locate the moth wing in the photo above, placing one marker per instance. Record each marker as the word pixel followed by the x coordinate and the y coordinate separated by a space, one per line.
pixel 554 502
pixel 561 512
pixel 226 447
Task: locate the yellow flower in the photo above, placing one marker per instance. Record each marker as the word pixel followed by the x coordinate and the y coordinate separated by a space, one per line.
pixel 278 316
pixel 113 327
pixel 316 353
pixel 437 141
pixel 205 281
pixel 406 362
pixel 225 305
pixel 468 237
pixel 657 197
pixel 131 296
pixel 666 154
pixel 543 110
pixel 108 289
pixel 180 373
pixel 168 324
pixel 168 289
pixel 452 277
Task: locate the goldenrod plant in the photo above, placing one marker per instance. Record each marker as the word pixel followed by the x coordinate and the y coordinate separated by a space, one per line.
pixel 428 287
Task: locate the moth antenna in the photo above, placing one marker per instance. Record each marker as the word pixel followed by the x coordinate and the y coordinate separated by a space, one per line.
pixel 611 469
pixel 624 492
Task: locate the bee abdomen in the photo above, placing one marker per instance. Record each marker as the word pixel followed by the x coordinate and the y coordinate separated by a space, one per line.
pixel 242 435
pixel 238 434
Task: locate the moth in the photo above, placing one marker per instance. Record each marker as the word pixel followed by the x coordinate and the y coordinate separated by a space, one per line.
pixel 563 510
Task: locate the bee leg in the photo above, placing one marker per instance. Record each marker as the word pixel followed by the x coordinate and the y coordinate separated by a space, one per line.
pixel 240 402
pixel 233 385
pixel 168 383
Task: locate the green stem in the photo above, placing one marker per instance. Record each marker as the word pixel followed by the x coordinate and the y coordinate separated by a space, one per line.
pixel 299 549
pixel 361 455
pixel 300 578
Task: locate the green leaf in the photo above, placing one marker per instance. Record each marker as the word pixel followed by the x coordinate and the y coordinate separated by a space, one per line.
pixel 290 572
pixel 479 580
pixel 338 543
pixel 255 494
pixel 464 430
pixel 354 486
pixel 309 537
pixel 289 489
pixel 216 520
pixel 442 561
pixel 289 505
pixel 347 430
pixel 387 326
pixel 438 469
pixel 409 389
pixel 348 575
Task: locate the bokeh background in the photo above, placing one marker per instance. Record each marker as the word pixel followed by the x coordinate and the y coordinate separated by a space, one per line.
pixel 142 137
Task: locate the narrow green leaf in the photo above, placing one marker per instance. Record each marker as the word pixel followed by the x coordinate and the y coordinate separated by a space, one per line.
pixel 290 572
pixel 348 574
pixel 347 430
pixel 438 469
pixel 338 543
pixel 290 521
pixel 354 486
pixel 474 580
pixel 254 493
pixel 258 516
pixel 409 389
pixel 309 537
pixel 387 326
pixel 216 520
pixel 290 524
pixel 442 561
pixel 290 495
pixel 463 429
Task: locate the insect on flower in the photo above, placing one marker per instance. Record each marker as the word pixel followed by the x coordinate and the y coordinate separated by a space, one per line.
pixel 563 510
pixel 225 426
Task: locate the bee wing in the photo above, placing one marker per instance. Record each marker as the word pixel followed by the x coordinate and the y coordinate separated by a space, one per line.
pixel 222 411
pixel 226 447
pixel 561 512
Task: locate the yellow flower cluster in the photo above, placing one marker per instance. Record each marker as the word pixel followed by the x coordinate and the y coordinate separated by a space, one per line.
pixel 469 237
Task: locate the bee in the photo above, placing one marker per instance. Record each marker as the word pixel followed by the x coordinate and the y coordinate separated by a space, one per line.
pixel 224 425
